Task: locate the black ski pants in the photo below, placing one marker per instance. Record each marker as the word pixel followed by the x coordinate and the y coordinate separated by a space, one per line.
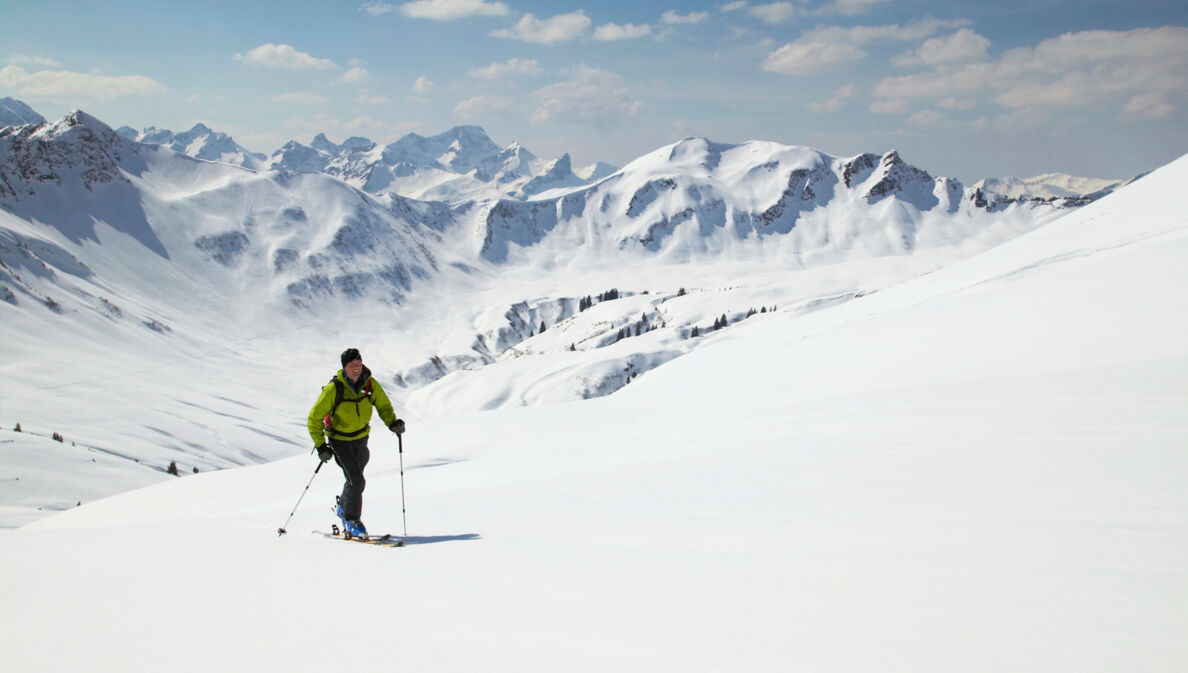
pixel 352 456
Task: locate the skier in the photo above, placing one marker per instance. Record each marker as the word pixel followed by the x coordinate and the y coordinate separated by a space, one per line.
pixel 339 425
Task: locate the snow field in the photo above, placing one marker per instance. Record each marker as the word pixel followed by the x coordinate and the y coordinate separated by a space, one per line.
pixel 977 470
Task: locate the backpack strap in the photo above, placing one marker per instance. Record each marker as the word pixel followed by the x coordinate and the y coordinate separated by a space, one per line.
pixel 339 390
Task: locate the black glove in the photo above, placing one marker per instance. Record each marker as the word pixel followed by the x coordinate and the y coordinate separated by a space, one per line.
pixel 397 426
pixel 324 452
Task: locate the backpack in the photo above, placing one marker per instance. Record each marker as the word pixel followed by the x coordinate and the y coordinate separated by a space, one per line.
pixel 339 390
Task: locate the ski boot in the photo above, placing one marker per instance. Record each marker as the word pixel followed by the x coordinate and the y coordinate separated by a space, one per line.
pixel 355 528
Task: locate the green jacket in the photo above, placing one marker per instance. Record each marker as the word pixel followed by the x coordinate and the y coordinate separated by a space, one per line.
pixel 353 414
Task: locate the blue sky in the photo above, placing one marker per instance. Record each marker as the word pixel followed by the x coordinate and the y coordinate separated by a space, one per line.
pixel 964 89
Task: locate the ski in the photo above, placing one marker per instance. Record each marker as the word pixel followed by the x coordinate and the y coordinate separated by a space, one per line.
pixel 386 540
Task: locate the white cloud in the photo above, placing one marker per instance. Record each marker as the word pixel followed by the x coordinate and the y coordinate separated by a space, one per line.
pixel 838 100
pixel 449 10
pixel 611 32
pixel 423 85
pixel 35 61
pixel 868 35
pixel 850 7
pixel 75 85
pixel 560 28
pixel 506 69
pixel 1102 68
pixel 803 58
pixel 481 107
pixel 733 6
pixel 928 118
pixel 960 47
pixel 831 47
pixel 1149 106
pixel 890 106
pixel 357 74
pixel 301 98
pixel 373 99
pixel 956 104
pixel 283 56
pixel 776 12
pixel 590 97
pixel 378 8
pixel 673 17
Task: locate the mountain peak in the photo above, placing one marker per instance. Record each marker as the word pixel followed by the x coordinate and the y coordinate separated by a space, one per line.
pixel 323 144
pixel 16 113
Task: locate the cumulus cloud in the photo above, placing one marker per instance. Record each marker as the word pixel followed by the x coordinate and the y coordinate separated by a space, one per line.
pixel 850 7
pixel 963 46
pixel 481 107
pixel 673 17
pixel 560 28
pixel 611 32
pixel 838 100
pixel 1121 69
pixel 75 85
pixel 357 74
pixel 867 35
pixel 890 106
pixel 832 47
pixel 378 8
pixel 423 85
pixel 34 61
pixel 804 58
pixel 449 10
pixel 590 96
pixel 506 69
pixel 733 6
pixel 284 57
pixel 1149 106
pixel 776 12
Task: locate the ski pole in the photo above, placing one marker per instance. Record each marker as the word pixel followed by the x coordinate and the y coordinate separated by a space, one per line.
pixel 281 531
pixel 403 509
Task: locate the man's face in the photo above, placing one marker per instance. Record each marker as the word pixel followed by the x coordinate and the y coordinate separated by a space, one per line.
pixel 353 369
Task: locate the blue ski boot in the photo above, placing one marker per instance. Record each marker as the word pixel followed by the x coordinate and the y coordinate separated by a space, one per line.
pixel 355 528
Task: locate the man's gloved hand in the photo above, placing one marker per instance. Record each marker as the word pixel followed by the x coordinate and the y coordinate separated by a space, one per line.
pixel 397 426
pixel 324 452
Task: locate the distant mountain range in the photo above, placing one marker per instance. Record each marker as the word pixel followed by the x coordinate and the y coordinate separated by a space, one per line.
pixel 334 219
pixel 121 257
pixel 464 164
pixel 458 165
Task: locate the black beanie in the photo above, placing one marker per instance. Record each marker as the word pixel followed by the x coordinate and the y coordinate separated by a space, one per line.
pixel 350 355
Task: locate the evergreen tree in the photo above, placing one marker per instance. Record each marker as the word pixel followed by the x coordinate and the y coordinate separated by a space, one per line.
pixel 172 469
pixel 542 327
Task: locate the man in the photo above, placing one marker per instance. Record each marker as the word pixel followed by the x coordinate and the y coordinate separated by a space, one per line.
pixel 339 425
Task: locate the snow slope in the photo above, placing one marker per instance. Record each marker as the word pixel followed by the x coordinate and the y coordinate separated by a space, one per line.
pixel 980 469
pixel 175 310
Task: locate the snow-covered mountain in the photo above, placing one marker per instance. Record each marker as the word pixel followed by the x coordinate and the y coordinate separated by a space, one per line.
pixel 460 165
pixel 15 113
pixel 978 469
pixel 1051 186
pixel 126 256
pixel 199 142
